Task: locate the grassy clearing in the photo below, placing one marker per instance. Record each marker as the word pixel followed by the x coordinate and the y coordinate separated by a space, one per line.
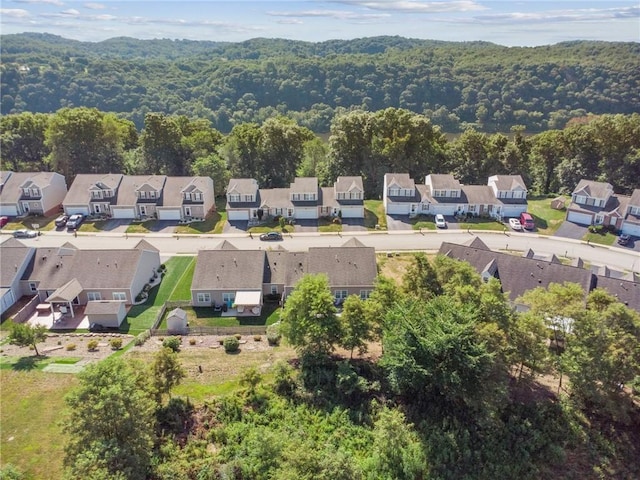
pixel 394 266
pixel 141 317
pixel 219 369
pixel 42 223
pixel 547 219
pixel 374 215
pixel 31 436
pixel 26 364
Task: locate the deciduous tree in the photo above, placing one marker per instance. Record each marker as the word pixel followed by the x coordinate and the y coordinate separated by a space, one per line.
pixel 25 335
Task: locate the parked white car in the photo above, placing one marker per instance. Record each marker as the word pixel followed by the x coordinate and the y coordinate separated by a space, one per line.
pixel 515 224
pixel 440 221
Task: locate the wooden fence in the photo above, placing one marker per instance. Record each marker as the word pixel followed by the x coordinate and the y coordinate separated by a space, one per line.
pixel 222 331
pixel 25 312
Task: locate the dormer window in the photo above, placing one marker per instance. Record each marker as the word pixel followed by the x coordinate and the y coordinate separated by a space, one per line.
pixel 234 197
pixel 394 192
pixel 152 194
pixel 309 196
pixel 187 196
pixel 142 194
pixel 197 197
pixel 248 198
pixel 107 193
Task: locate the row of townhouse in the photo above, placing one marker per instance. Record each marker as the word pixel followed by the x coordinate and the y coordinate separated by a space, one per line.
pixel 69 277
pixel 304 199
pixel 503 196
pixel 595 203
pixel 519 274
pixel 113 195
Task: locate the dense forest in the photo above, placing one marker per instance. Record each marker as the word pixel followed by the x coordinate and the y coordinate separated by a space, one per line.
pixel 370 144
pixel 456 85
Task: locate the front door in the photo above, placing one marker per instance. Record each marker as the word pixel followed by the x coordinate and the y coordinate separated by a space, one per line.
pixel 599 219
pixel 143 210
pixel 187 211
pixel 25 207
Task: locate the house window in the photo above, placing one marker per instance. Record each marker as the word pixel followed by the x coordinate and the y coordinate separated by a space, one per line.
pixel 295 196
pixel 309 196
pixel 108 193
pixel 120 296
pixel 142 194
pixel 394 192
pixel 204 298
pixel 197 197
pixel 340 196
pixel 94 296
pixel 274 289
pixel 341 294
pixel 229 298
pixel 248 198
pixel 290 212
pixel 364 294
pixel 96 194
pixel 472 208
pixel 234 197
pixel 33 287
pixel 355 195
pixel 152 194
pixel 580 199
pixel 635 210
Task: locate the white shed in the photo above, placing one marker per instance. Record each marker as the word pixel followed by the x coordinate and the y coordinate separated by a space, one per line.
pixel 177 321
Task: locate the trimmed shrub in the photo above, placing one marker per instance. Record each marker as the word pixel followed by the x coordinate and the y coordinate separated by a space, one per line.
pixel 142 338
pixel 231 344
pixel 116 343
pixel 192 341
pixel 273 334
pixel 238 336
pixel 92 345
pixel 70 347
pixel 173 343
pixel 257 338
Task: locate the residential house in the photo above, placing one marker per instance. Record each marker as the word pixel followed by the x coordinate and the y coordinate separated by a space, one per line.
pixel 595 203
pixel 519 274
pixel 15 257
pixel 631 222
pixel 140 196
pixel 503 196
pixel 243 200
pixel 24 193
pixel 303 199
pixel 69 276
pixel 241 279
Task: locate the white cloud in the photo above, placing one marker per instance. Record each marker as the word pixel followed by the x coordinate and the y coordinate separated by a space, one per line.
pixel 335 14
pixel 14 13
pixel 72 12
pixel 290 21
pixel 553 16
pixel 94 6
pixel 46 2
pixel 416 6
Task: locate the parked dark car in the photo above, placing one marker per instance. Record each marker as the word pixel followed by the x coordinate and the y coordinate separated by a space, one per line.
pixel 3 221
pixel 271 236
pixel 61 221
pixel 74 221
pixel 624 239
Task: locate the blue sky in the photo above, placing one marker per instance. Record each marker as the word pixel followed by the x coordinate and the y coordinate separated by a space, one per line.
pixel 512 23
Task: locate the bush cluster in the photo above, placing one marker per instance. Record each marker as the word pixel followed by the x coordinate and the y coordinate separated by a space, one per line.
pixel 173 343
pixel 231 344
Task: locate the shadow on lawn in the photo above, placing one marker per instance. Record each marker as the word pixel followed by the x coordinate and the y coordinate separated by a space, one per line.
pixel 25 364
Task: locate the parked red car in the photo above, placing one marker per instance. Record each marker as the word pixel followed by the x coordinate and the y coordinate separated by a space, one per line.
pixel 3 221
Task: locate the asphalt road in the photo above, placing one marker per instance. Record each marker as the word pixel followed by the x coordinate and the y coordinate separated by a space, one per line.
pixel 171 244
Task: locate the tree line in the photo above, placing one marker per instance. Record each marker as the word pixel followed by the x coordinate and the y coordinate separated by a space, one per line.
pixel 86 140
pixel 453 394
pixel 457 85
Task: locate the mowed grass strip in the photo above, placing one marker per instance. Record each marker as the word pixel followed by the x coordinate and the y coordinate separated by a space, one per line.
pixel 182 289
pixel 32 406
pixel 141 317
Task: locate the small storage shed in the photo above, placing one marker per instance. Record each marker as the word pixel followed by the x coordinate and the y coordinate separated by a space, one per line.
pixel 108 313
pixel 177 321
pixel 558 203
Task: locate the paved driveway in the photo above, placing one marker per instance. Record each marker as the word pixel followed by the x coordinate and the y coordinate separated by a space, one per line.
pixel 571 230
pixel 306 225
pixel 398 222
pixel 236 226
pixel 353 225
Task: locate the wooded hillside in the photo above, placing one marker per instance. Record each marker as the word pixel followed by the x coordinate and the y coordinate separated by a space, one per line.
pixel 454 84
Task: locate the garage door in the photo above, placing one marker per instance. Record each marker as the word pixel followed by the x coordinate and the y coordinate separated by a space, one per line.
pixel 352 212
pixel 631 229
pixel 169 215
pixel 306 212
pixel 238 214
pixel 580 218
pixel 76 210
pixel 123 212
pixel 8 210
pixel 397 209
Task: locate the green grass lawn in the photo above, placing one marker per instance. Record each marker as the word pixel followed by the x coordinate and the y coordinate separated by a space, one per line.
pixel 93 226
pixel 478 223
pixel 213 223
pixel 271 225
pixel 606 238
pixel 142 227
pixel 32 403
pixel 547 219
pixel 326 225
pixel 141 317
pixel 423 222
pixel 43 223
pixel 182 290
pixel 206 317
pixel 23 364
pixel 374 215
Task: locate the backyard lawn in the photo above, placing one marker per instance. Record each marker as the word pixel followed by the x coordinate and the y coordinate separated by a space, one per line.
pixel 547 219
pixel 141 317
pixel 206 317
